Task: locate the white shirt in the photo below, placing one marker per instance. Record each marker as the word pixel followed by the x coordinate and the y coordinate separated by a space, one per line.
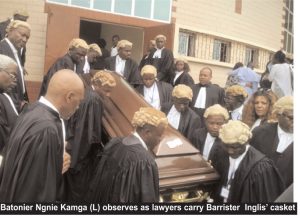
pixel 86 67
pixel 151 95
pixel 113 51
pixel 280 76
pixel 15 52
pixel 157 53
pixel 174 117
pixel 177 74
pixel 256 124
pixel 11 103
pixel 201 98
pixel 209 141
pixel 120 65
pixel 234 163
pixel 237 113
pixel 141 140
pixel 285 139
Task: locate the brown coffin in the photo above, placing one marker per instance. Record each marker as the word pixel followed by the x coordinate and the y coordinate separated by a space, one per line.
pixel 181 167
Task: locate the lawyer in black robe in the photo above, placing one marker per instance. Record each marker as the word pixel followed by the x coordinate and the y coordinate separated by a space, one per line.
pixel 31 170
pixel 265 139
pixel 73 60
pixel 189 120
pixel 162 58
pixel 17 92
pixel 127 171
pixel 164 91
pixel 84 137
pixel 131 72
pixel 164 64
pixel 255 179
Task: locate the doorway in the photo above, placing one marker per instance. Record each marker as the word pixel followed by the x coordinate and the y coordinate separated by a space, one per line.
pixel 91 30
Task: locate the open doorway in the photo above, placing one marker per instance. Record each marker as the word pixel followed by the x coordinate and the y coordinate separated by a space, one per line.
pixel 91 30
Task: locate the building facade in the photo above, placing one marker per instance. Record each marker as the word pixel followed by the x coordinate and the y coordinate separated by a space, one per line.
pixel 214 33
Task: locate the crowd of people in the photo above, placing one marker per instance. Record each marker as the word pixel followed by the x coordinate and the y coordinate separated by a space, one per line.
pixel 50 148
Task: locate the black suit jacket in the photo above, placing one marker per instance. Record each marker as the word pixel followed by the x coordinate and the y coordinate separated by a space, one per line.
pixel 265 139
pixel 164 65
pixel 131 72
pixel 16 94
pixel 214 95
pixel 189 120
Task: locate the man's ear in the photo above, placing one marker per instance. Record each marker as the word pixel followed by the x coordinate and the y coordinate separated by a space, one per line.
pixel 69 96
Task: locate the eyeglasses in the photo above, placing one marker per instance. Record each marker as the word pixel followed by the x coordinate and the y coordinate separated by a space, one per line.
pixel 12 75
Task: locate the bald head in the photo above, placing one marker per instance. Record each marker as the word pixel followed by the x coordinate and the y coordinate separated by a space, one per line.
pixel 65 91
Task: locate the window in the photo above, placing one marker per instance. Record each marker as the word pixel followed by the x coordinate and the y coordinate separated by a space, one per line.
pixel 158 10
pixel 186 44
pixel 288 40
pixel 251 56
pixel 221 51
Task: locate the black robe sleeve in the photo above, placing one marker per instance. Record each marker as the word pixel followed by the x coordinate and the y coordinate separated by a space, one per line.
pixel 165 92
pixel 64 62
pixel 7 120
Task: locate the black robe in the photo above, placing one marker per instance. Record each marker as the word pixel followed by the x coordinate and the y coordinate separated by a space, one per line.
pixel 8 118
pixel 127 173
pixel 16 93
pixel 164 91
pixel 256 180
pixel 198 141
pixel 64 62
pixel 214 95
pixel 143 61
pixel 84 137
pixel 131 72
pixel 189 120
pixel 185 78
pixel 31 170
pixel 265 139
pixel 164 65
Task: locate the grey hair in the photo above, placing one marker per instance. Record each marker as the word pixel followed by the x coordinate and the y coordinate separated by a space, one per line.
pixel 5 61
